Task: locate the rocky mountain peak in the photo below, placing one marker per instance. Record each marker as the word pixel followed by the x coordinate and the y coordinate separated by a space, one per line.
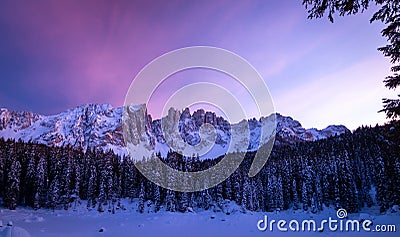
pixel 100 126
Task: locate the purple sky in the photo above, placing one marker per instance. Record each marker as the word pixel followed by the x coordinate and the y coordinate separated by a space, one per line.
pixel 55 55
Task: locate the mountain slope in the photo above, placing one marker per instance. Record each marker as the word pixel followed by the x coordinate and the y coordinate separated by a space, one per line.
pixel 100 126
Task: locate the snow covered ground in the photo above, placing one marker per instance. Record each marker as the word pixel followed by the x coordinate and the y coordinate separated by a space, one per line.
pixel 80 222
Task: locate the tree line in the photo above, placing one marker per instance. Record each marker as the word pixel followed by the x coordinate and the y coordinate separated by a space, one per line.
pixel 349 171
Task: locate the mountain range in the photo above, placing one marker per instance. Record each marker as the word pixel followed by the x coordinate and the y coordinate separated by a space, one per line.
pixel 100 126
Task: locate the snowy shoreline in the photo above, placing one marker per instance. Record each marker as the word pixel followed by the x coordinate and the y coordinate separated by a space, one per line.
pixel 126 223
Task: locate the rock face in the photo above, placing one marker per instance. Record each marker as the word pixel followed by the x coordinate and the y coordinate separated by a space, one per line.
pixel 289 130
pixel 85 126
pixel 135 117
pixel 100 126
pixel 21 120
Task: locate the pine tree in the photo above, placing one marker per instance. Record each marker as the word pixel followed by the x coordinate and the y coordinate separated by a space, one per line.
pixel 65 179
pixel 13 184
pixel 53 195
pixel 170 201
pixel 259 194
pixel 29 185
pixel 92 186
pixel 279 193
pixel 76 181
pixel 2 168
pixel 307 187
pixel 157 198
pixel 246 195
pixel 39 182
pixel 237 189
pixel 219 200
pixel 271 201
pixel 296 201
pixel 141 198
pixel 227 189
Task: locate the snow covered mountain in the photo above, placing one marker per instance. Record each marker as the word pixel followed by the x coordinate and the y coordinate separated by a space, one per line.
pixel 290 130
pixel 95 125
pixel 85 126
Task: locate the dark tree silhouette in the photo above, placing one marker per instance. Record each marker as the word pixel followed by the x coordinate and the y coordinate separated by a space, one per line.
pixel 389 14
pixel 349 171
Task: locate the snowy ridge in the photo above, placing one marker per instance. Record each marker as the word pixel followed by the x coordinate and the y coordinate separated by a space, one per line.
pixel 89 125
pixel 290 130
pixel 100 126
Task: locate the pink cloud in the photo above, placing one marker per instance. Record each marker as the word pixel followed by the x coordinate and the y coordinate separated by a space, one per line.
pixel 74 52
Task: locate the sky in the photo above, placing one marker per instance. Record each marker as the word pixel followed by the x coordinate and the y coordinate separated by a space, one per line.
pixel 55 55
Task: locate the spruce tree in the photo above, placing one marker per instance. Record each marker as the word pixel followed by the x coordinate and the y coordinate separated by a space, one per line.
pixel 39 182
pixel 13 184
pixel 141 198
